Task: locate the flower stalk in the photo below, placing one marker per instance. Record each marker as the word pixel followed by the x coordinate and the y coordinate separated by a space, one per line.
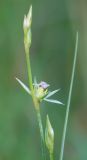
pixel 51 156
pixel 38 91
pixel 27 44
pixel 41 134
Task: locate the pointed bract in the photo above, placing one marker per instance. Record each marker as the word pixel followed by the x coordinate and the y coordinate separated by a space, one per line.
pixel 52 93
pixel 23 86
pixel 53 101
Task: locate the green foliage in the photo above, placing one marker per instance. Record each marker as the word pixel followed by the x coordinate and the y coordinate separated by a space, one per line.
pixel 53 40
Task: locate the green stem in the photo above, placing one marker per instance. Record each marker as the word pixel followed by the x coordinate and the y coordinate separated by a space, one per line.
pixel 69 100
pixel 29 71
pixel 41 134
pixel 51 156
pixel 36 104
pixel 27 44
pixel 40 125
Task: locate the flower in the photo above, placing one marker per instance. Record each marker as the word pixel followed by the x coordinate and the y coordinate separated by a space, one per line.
pixel 41 91
pixel 44 85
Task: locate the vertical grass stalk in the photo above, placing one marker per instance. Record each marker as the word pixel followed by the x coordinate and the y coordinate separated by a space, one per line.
pixel 29 71
pixel 69 101
pixel 27 43
pixel 41 134
pixel 36 104
pixel 51 156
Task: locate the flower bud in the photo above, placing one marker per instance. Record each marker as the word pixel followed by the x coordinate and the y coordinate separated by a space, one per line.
pixel 29 16
pixel 49 136
pixel 28 20
pixel 27 29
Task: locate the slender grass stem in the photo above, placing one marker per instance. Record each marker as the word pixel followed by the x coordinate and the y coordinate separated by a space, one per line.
pixel 68 102
pixel 51 156
pixel 29 71
pixel 27 44
pixel 40 125
pixel 41 134
pixel 36 104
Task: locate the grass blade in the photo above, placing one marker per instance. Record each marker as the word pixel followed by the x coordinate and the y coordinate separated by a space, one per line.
pixel 68 101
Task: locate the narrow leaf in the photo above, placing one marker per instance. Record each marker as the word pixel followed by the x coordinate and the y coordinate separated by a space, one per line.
pixel 69 100
pixel 53 101
pixel 24 86
pixel 52 93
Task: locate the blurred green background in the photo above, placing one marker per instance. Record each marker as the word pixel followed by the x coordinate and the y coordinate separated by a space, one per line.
pixel 54 28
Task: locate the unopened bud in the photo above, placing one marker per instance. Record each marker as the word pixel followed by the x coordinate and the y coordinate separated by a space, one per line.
pixel 27 29
pixel 28 20
pixel 29 16
pixel 26 23
pixel 49 136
